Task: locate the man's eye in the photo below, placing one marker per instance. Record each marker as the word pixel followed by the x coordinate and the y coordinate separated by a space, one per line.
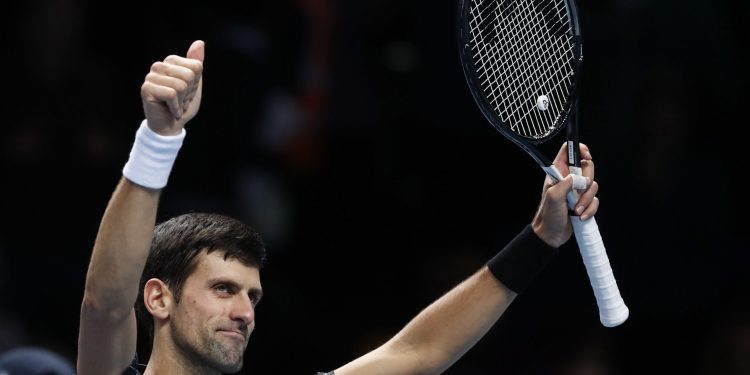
pixel 222 288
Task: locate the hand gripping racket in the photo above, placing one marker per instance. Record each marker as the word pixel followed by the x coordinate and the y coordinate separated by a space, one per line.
pixel 522 62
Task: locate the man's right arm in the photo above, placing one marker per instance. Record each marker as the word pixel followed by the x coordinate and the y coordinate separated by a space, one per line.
pixel 107 333
pixel 444 331
pixel 171 96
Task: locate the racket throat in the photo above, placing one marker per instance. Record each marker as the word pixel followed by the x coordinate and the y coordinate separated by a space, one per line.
pixel 574 148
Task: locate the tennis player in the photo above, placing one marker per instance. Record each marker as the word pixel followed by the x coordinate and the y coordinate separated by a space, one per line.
pixel 196 278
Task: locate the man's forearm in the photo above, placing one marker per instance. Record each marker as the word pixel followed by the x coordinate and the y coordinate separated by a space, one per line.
pixel 121 247
pixel 439 335
pixel 450 326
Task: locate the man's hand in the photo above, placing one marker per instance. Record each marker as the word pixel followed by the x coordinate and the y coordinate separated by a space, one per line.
pixel 171 92
pixel 551 222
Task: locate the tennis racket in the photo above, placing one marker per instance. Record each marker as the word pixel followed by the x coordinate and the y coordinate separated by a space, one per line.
pixel 522 61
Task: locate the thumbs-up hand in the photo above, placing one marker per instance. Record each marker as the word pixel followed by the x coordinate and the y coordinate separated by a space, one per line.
pixel 171 92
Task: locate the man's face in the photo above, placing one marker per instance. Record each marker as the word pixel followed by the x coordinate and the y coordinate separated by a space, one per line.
pixel 213 321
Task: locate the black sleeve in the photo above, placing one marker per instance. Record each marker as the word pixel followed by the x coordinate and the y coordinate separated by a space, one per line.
pixel 135 368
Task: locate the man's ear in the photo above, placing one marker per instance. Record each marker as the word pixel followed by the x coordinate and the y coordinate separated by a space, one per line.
pixel 158 298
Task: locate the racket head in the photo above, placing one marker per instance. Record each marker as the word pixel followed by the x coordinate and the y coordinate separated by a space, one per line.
pixel 522 62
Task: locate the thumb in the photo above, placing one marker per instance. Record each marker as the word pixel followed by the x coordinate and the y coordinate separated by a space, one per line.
pixel 197 50
pixel 562 187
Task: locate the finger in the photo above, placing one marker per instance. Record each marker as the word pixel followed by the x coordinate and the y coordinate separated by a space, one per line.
pixel 562 153
pixel 185 92
pixel 174 70
pixel 588 169
pixel 193 64
pixel 180 86
pixel 162 95
pixel 174 67
pixel 559 190
pixel 194 61
pixel 561 161
pixel 197 50
pixel 164 80
pixel 549 181
pixel 585 151
pixel 580 183
pixel 590 210
pixel 586 198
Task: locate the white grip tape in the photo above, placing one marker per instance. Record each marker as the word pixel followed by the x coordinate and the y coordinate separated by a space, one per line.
pixel 152 157
pixel 612 308
pixel 579 182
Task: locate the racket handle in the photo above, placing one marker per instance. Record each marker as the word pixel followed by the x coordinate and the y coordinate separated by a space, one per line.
pixel 612 309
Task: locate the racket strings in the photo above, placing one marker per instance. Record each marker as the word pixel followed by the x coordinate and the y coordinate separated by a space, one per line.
pixel 532 67
pixel 522 83
pixel 524 38
pixel 522 50
pixel 524 87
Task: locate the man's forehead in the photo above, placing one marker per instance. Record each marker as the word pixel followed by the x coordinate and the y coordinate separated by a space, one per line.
pixel 220 254
pixel 217 264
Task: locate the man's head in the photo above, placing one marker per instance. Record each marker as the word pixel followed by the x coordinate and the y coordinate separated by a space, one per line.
pixel 200 286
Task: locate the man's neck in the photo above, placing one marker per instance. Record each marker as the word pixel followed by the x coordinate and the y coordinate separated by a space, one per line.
pixel 167 360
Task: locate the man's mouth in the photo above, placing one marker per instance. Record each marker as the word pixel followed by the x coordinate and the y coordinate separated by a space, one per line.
pixel 234 333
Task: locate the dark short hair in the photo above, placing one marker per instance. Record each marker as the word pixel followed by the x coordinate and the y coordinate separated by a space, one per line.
pixel 178 241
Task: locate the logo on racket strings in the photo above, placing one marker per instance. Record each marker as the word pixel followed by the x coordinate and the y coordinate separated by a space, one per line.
pixel 542 102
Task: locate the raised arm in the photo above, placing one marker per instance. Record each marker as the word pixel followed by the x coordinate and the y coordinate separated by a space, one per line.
pixel 171 95
pixel 439 335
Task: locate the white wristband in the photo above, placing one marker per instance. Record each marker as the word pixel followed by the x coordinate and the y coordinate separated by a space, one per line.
pixel 152 157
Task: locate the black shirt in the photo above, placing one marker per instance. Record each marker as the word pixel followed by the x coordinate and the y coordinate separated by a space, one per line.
pixel 136 368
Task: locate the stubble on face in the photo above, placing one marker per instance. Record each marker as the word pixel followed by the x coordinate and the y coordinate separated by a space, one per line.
pixel 208 345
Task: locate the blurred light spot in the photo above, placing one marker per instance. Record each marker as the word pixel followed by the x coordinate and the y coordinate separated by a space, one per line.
pixel 265 205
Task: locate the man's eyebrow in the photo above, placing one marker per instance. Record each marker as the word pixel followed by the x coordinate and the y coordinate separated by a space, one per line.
pixel 222 280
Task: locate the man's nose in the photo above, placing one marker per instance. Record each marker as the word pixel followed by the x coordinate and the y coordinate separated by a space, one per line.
pixel 244 310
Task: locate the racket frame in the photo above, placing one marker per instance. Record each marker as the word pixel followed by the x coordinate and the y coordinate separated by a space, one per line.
pixel 526 143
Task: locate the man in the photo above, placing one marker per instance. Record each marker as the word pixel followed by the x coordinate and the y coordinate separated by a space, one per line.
pixel 197 275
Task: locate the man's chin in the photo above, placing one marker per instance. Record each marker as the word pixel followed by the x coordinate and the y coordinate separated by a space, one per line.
pixel 228 366
pixel 231 369
pixel 229 355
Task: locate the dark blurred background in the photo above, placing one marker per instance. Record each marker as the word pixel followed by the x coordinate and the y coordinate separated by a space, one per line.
pixel 344 132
